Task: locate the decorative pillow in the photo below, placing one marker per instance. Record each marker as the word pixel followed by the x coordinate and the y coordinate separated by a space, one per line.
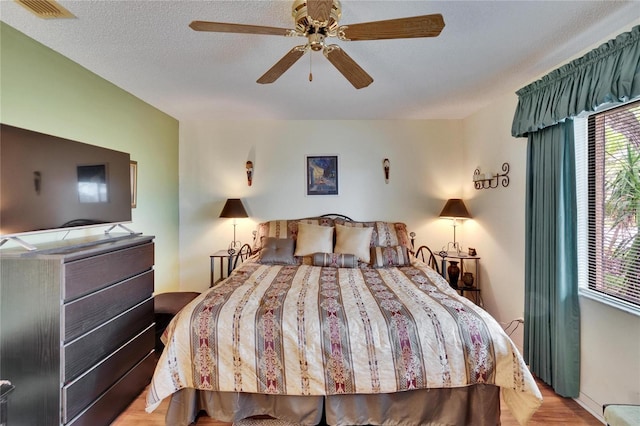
pixel 277 251
pixel 353 240
pixel 382 257
pixel 392 234
pixel 284 229
pixel 384 233
pixel 313 238
pixel 273 228
pixel 335 260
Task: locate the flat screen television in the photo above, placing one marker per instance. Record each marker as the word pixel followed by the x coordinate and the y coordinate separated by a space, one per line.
pixel 49 183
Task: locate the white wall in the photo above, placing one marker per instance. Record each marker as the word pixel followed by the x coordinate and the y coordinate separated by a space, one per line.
pixel 610 356
pixel 498 228
pixel 426 165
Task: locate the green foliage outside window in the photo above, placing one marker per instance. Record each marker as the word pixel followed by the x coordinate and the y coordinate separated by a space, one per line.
pixel 621 224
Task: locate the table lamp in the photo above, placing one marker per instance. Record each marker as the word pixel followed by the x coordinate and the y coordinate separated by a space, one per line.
pixel 234 209
pixel 455 209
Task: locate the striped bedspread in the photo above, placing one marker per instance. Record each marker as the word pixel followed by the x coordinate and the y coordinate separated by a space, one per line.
pixel 308 330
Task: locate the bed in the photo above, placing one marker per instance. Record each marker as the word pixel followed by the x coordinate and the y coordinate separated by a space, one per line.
pixel 334 322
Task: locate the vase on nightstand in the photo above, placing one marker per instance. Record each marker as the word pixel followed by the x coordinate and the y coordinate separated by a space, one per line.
pixel 467 279
pixel 453 272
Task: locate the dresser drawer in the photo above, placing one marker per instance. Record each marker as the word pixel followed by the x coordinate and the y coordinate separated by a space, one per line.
pixel 87 275
pixel 88 312
pixel 81 392
pixel 115 400
pixel 82 353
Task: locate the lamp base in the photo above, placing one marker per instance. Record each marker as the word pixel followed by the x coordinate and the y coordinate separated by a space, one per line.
pixel 233 246
pixel 454 247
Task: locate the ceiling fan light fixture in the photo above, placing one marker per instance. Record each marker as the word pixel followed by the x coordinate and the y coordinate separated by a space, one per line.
pixel 316 41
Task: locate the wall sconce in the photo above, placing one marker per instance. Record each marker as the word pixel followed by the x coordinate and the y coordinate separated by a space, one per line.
pixel 249 166
pixel 386 165
pixel 491 180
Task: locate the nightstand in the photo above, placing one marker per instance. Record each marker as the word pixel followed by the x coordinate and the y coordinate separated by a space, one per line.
pixel 225 270
pixel 473 293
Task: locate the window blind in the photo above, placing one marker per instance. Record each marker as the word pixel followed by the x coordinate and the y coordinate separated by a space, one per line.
pixel 613 194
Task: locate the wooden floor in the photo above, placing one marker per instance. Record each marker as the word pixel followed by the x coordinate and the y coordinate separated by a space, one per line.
pixel 555 410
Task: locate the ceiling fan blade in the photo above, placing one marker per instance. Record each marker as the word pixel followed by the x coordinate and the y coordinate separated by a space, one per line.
pixel 347 66
pixel 319 9
pixel 413 27
pixel 221 27
pixel 282 65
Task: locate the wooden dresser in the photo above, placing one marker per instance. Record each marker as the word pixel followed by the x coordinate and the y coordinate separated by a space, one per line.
pixel 76 329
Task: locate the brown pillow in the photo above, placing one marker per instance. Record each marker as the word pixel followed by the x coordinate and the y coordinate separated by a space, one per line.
pixel 277 251
pixel 335 260
pixel 382 257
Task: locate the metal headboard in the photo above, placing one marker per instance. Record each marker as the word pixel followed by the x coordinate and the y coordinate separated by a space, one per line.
pixel 337 216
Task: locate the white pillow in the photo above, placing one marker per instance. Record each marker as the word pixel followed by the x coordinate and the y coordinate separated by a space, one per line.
pixel 313 238
pixel 352 240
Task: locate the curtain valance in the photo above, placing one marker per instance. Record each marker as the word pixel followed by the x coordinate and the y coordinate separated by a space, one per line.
pixel 609 73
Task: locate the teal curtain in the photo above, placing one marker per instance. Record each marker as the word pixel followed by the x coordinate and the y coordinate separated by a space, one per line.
pixel 610 73
pixel 552 311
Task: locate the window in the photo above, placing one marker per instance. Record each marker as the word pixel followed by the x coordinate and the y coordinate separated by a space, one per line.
pixel 613 203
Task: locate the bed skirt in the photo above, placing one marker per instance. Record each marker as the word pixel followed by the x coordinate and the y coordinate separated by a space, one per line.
pixel 477 405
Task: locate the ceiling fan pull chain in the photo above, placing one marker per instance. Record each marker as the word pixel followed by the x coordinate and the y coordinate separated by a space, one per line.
pixel 310 74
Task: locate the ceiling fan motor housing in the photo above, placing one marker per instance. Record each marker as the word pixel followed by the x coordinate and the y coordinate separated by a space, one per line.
pixel 305 25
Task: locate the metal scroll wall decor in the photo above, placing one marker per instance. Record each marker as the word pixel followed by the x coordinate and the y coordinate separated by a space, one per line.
pixel 491 180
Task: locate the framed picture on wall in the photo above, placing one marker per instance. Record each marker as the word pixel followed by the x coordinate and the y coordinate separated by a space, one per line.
pixel 133 175
pixel 322 174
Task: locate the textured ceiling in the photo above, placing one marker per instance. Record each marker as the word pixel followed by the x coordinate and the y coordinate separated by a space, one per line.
pixel 487 49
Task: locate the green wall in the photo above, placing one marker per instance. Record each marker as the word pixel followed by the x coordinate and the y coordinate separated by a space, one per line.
pixel 44 91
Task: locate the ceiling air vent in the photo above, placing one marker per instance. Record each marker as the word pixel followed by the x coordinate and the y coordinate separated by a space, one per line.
pixel 46 9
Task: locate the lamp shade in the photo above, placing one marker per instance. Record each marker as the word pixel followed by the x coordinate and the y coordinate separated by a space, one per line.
pixel 455 208
pixel 233 208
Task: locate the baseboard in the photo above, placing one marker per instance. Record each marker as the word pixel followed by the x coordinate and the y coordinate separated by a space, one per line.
pixel 593 407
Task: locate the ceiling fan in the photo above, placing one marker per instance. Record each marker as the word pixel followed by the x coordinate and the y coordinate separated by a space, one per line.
pixel 318 19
